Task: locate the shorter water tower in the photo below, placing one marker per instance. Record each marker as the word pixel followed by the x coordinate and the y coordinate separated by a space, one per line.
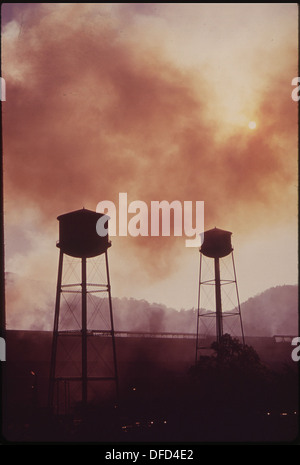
pixel 83 345
pixel 217 281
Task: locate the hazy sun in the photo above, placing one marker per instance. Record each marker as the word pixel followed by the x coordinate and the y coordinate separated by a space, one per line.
pixel 252 125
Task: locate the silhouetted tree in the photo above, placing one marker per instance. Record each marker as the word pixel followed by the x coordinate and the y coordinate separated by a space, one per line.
pixel 233 356
pixel 233 375
pixel 230 355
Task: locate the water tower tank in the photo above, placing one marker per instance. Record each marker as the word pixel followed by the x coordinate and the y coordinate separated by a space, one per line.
pixel 78 236
pixel 216 243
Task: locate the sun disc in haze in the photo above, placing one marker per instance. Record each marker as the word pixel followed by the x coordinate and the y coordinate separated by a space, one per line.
pixel 252 125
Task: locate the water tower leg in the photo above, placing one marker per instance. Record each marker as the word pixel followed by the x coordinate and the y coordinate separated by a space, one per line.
pixel 84 332
pixel 238 300
pixel 198 311
pixel 112 327
pixel 55 332
pixel 219 323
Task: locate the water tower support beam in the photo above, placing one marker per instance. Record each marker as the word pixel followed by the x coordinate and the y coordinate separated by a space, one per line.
pixel 238 299
pixel 112 327
pixel 219 323
pixel 55 329
pixel 198 310
pixel 84 332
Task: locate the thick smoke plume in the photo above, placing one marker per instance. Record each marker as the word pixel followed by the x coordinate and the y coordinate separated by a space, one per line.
pixel 93 110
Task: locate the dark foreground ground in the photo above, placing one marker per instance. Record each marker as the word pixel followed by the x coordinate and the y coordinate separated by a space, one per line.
pixel 159 402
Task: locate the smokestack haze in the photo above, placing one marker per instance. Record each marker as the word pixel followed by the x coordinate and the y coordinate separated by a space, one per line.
pixel 94 109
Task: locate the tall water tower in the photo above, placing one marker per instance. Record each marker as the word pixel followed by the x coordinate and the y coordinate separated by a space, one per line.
pixel 83 346
pixel 217 283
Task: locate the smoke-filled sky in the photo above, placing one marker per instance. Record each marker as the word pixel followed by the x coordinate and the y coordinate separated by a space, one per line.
pixel 153 100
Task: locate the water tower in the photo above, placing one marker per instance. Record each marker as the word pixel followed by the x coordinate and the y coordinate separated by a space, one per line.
pixel 217 283
pixel 80 360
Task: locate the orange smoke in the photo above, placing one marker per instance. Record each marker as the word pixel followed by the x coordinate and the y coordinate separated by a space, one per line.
pixel 91 113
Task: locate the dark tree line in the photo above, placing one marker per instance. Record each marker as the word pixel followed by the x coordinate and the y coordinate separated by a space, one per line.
pixel 235 377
